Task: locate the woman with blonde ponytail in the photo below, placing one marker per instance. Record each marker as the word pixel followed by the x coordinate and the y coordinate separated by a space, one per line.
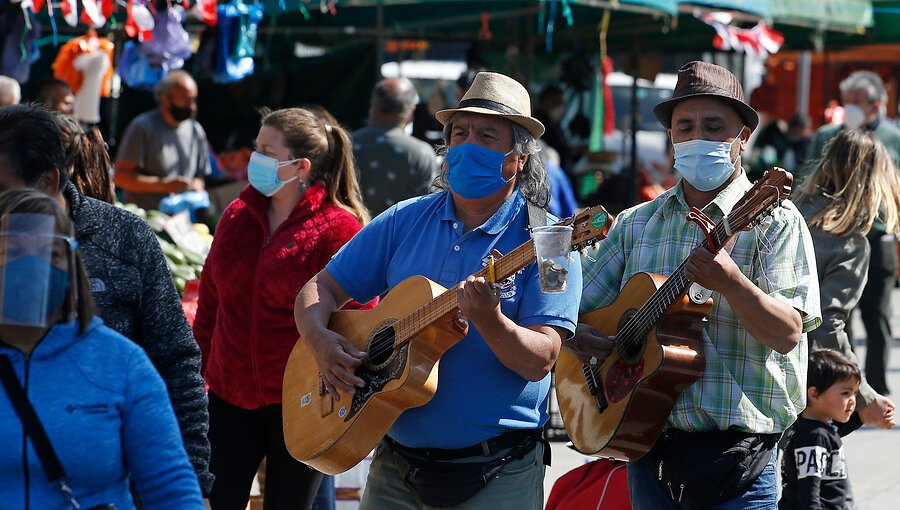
pixel 301 206
pixel 853 185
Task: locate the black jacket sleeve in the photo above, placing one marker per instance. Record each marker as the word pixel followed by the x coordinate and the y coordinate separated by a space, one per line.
pixel 163 332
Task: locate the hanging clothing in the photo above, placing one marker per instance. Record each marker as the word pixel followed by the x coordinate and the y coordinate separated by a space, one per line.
pixel 16 38
pixel 237 40
pixel 64 67
pixel 170 45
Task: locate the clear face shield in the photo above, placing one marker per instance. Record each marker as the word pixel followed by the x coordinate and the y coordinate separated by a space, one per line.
pixel 37 271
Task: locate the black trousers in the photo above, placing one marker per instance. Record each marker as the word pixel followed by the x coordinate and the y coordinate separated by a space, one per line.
pixel 875 309
pixel 240 439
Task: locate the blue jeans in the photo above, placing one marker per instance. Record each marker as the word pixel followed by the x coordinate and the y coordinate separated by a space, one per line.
pixel 648 493
pixel 325 496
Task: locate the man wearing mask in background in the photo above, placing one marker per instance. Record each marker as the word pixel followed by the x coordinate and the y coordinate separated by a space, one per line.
pixel 864 96
pixel 164 150
pixel 765 298
pixel 392 165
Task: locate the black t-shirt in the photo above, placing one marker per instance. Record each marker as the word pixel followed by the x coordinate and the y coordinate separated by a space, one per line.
pixel 814 469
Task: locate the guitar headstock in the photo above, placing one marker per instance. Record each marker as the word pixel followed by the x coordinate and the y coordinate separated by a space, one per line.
pixel 766 194
pixel 588 226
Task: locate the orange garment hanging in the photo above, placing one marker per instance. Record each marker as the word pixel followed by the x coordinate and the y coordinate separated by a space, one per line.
pixel 64 65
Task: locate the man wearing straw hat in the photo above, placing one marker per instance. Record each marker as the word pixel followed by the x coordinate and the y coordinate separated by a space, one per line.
pixel 477 443
pixel 765 298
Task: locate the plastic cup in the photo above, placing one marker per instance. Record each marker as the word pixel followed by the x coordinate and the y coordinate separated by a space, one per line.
pixel 552 245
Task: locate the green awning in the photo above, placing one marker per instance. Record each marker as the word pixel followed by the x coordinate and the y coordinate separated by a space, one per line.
pixel 669 7
pixel 834 15
pixel 759 8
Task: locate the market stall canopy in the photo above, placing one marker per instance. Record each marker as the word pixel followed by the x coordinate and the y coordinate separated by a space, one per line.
pixel 834 15
pixel 753 8
pixel 454 18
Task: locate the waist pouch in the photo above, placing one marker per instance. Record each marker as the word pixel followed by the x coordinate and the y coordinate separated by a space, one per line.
pixel 702 469
pixel 441 483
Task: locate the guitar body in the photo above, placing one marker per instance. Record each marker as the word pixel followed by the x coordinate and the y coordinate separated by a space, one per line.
pixel 333 436
pixel 637 386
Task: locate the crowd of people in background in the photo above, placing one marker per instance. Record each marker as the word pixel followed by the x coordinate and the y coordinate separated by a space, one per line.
pixel 176 413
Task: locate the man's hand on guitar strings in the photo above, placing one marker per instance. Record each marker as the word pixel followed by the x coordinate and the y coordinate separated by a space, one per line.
pixel 713 271
pixel 337 359
pixel 589 345
pixel 478 300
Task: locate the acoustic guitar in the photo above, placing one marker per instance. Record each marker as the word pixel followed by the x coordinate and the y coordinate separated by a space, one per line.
pixel 617 409
pixel 404 338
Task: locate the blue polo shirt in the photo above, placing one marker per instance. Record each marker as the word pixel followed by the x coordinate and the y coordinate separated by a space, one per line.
pixel 477 396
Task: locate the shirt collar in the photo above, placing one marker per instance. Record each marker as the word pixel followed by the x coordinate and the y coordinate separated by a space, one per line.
pixel 497 222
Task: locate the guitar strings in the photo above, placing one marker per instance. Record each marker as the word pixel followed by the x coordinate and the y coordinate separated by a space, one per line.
pixel 414 323
pixel 637 327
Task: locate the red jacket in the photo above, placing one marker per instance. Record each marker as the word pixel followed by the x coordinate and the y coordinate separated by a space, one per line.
pixel 245 313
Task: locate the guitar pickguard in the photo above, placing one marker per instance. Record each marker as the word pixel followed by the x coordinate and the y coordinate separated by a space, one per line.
pixel 622 378
pixel 377 378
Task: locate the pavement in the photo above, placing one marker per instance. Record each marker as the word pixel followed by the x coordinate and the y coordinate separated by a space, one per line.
pixel 873 454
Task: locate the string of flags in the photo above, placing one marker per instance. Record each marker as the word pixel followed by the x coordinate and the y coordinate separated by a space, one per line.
pixel 759 40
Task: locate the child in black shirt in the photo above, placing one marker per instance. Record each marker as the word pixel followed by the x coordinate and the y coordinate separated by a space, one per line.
pixel 814 471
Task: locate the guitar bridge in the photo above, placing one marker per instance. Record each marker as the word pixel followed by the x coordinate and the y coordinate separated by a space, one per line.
pixel 595 387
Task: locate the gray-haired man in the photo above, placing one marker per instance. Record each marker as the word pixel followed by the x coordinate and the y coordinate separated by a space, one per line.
pixel 393 166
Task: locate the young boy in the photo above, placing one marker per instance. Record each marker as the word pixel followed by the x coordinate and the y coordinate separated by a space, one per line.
pixel 814 471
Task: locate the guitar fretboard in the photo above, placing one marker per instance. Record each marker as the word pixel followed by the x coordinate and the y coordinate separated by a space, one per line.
pixel 504 267
pixel 669 292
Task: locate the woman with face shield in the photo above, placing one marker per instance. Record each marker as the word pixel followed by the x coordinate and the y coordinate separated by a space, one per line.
pixel 103 408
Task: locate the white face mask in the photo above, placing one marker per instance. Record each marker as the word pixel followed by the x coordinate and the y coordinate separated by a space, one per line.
pixel 705 164
pixel 854 116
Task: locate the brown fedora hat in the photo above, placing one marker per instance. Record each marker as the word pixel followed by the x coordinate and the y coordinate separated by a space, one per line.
pixel 698 79
pixel 500 95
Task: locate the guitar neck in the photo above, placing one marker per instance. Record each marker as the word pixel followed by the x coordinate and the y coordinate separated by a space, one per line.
pixel 504 267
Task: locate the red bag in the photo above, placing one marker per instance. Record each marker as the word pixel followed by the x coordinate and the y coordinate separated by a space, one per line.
pixel 189 300
pixel 598 485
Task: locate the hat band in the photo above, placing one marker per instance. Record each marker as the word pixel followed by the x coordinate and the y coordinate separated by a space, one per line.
pixel 488 104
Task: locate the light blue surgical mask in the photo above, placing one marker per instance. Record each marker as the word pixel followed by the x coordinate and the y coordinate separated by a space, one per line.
pixel 25 301
pixel 474 171
pixel 262 172
pixel 705 164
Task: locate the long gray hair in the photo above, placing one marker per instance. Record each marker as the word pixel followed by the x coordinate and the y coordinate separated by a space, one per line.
pixel 532 180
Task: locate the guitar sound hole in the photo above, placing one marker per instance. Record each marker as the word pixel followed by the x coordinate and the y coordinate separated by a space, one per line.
pixel 381 347
pixel 630 347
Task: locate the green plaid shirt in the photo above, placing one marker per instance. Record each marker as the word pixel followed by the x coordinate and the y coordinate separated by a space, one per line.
pixel 745 384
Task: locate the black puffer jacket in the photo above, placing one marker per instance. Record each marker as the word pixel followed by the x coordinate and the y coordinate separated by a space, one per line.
pixel 136 297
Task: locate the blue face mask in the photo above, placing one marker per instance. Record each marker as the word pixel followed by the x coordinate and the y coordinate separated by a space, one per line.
pixel 262 172
pixel 22 296
pixel 475 172
pixel 705 164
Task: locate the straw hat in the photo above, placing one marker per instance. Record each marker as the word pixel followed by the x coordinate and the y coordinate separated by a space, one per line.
pixel 497 94
pixel 699 79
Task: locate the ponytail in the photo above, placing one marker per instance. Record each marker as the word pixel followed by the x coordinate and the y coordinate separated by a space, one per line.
pixel 343 187
pixel 87 161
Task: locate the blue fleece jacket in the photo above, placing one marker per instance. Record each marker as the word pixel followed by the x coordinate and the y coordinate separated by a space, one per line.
pixel 108 416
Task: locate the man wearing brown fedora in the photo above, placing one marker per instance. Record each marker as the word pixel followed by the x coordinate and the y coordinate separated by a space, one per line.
pixel 477 443
pixel 765 299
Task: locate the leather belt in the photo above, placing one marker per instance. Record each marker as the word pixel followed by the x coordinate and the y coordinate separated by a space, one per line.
pixel 486 448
